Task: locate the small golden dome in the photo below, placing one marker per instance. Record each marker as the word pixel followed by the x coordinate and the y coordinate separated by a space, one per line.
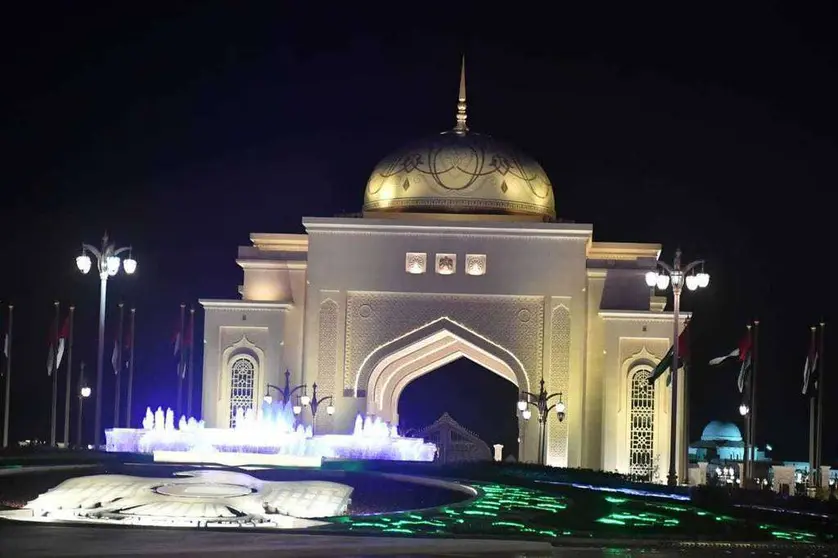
pixel 460 172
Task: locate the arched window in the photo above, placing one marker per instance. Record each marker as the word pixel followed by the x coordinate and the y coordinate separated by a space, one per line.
pixel 641 425
pixel 242 377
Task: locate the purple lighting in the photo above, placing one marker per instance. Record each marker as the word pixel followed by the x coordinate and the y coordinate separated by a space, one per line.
pixel 270 432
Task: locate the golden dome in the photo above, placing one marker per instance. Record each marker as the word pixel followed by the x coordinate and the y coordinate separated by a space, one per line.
pixel 460 172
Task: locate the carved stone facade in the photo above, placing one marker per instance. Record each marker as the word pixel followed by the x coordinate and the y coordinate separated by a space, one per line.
pixel 327 349
pixel 559 380
pixel 375 319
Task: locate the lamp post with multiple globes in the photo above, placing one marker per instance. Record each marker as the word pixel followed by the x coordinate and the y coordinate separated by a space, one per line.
pixel 108 263
pixel 302 400
pixel 541 402
pixel 677 275
pixel 315 402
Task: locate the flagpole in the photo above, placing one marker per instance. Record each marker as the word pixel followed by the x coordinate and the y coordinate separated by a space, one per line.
pixel 752 435
pixel 130 371
pixel 54 348
pixel 746 399
pixel 190 362
pixel 68 387
pixel 81 407
pixel 118 368
pixel 812 403
pixel 180 360
pixel 821 372
pixel 8 347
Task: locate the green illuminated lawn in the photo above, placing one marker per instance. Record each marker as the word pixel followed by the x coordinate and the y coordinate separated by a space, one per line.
pixel 521 512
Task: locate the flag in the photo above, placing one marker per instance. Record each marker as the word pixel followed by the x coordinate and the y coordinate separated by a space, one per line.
pixel 810 369
pixel 176 342
pixel 126 349
pixel 739 352
pixel 744 372
pixel 53 342
pixel 666 362
pixel 115 357
pixel 63 335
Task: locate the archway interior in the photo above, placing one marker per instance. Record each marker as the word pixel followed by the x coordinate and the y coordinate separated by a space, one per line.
pixel 477 398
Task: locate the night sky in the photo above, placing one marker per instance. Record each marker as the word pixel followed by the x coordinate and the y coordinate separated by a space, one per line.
pixel 181 127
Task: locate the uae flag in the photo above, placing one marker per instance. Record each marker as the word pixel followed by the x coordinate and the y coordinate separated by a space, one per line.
pixel 740 352
pixel 810 370
pixel 56 347
pixel 666 362
pixel 115 357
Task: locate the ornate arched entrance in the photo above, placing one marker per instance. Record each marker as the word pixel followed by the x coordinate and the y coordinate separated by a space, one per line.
pixel 390 368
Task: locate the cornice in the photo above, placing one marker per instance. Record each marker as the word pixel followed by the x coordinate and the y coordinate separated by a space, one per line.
pixel 280 242
pixel 294 265
pixel 623 251
pixel 562 231
pixel 641 316
pixel 250 305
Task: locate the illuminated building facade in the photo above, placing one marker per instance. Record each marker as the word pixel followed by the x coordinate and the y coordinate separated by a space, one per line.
pixel 457 253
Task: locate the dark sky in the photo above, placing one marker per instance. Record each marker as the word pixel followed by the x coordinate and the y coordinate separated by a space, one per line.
pixel 181 127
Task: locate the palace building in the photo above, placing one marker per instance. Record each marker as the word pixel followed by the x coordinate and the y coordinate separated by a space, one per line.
pixel 458 253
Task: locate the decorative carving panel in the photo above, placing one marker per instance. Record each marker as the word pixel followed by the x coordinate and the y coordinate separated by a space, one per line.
pixel 242 379
pixel 641 425
pixel 373 319
pixel 415 263
pixel 476 264
pixel 559 381
pixel 327 348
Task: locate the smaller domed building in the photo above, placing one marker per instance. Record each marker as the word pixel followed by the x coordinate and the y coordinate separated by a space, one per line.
pixel 722 447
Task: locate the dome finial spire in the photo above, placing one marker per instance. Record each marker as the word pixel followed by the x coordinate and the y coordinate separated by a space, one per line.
pixel 461 127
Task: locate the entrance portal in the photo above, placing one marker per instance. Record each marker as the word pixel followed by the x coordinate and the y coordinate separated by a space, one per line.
pixel 479 400
pixel 392 367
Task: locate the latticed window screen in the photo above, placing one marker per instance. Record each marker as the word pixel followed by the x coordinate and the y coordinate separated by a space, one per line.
pixel 242 376
pixel 642 425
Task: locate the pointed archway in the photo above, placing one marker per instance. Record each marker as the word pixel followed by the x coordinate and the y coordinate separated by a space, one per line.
pixel 387 371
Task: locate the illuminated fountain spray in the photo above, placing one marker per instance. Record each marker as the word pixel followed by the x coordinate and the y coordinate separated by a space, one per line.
pixel 273 430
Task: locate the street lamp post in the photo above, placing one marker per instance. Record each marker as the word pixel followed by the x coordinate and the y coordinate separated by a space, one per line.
pixel 107 263
pixel 677 276
pixel 541 402
pixel 316 402
pixel 286 391
pixel 84 393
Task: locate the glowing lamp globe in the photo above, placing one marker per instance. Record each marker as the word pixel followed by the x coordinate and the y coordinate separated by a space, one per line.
pixel 560 411
pixel 692 282
pixel 268 399
pixel 85 391
pixel 703 279
pixel 526 413
pixel 305 400
pixel 83 263
pixel 297 409
pixel 743 409
pixel 651 278
pixel 522 405
pixel 113 265
pixel 663 281
pixel 330 410
pixel 129 265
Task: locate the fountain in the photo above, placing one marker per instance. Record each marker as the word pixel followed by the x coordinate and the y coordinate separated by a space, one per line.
pixel 270 436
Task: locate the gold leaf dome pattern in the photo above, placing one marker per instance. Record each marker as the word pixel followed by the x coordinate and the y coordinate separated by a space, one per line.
pixel 460 172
